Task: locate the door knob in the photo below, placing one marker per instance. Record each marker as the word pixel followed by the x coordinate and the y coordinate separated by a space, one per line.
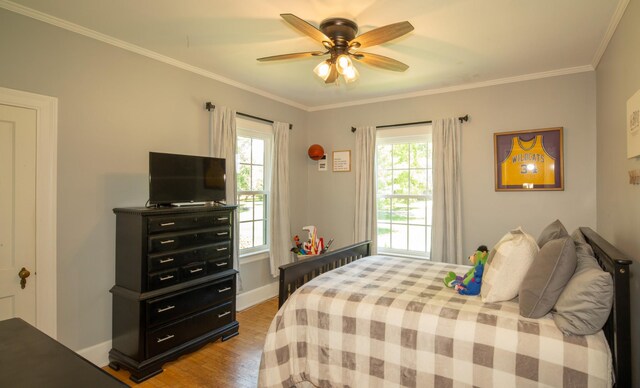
pixel 23 275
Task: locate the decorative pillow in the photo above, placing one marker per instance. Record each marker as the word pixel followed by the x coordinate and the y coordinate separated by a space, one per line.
pixel 585 303
pixel 582 246
pixel 510 261
pixel 551 270
pixel 553 231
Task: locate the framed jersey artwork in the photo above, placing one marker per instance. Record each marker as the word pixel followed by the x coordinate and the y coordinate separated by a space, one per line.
pixel 529 160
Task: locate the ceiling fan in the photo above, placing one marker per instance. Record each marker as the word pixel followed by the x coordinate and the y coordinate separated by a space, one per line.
pixel 338 36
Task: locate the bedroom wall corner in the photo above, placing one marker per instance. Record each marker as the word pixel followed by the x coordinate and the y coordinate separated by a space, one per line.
pixel 618 78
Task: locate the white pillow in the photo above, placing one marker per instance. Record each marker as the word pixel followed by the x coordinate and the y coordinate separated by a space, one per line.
pixel 511 258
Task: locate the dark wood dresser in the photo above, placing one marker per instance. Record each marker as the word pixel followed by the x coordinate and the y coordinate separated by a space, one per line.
pixel 175 284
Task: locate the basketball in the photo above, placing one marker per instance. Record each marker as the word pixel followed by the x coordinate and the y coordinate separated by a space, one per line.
pixel 316 152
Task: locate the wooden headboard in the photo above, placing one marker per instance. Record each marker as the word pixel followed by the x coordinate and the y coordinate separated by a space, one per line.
pixel 618 327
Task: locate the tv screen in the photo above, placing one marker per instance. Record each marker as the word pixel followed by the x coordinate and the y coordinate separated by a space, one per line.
pixel 184 178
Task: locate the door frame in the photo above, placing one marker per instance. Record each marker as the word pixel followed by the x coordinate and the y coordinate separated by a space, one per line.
pixel 46 108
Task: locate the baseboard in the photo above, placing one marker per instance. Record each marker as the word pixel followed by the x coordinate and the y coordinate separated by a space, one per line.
pixel 97 354
pixel 255 296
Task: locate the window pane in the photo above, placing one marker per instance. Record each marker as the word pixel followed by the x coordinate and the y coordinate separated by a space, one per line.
pixel 418 155
pixel 399 236
pixel 244 149
pixel 417 211
pixel 430 154
pixel 258 233
pixel 259 212
pixel 418 181
pixel 429 240
pixel 429 212
pixel 400 182
pixel 385 181
pixel 384 209
pixel 429 182
pixel 383 155
pixel 257 178
pixel 417 238
pixel 400 155
pixel 246 235
pixel 244 178
pixel 384 235
pixel 245 208
pixel 257 151
pixel 399 210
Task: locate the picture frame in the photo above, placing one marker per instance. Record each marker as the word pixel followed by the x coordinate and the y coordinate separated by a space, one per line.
pixel 341 161
pixel 530 160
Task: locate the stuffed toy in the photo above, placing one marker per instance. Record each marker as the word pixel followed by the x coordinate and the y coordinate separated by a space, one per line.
pixel 471 283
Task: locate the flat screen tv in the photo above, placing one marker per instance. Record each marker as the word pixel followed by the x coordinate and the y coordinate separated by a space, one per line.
pixel 180 179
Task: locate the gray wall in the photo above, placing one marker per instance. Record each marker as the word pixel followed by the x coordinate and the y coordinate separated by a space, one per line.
pixel 114 107
pixel 566 101
pixel 618 78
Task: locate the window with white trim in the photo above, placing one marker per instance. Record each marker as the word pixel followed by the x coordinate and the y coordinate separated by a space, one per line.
pixel 253 166
pixel 404 190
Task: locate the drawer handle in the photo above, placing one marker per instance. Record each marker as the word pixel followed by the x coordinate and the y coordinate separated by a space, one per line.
pixel 167 242
pixel 195 270
pixel 167 224
pixel 223 218
pixel 168 260
pixel 224 314
pixel 224 289
pixel 221 264
pixel 166 338
pixel 163 278
pixel 161 310
pixel 221 249
pixel 222 233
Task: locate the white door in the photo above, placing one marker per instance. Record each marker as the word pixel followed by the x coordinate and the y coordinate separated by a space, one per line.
pixel 17 212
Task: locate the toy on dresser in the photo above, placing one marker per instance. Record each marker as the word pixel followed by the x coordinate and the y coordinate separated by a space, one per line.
pixel 471 282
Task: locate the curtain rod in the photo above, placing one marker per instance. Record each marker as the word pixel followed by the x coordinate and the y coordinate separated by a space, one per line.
pixel 462 118
pixel 209 106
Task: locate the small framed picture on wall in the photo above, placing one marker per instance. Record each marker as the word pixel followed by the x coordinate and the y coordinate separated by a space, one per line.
pixel 342 161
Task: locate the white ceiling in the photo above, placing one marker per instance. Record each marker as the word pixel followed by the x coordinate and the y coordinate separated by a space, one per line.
pixel 456 44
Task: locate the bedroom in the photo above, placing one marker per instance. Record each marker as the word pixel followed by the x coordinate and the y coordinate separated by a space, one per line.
pixel 115 106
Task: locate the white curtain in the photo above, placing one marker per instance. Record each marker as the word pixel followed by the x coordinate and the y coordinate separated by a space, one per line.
pixel 446 235
pixel 223 145
pixel 365 211
pixel 279 218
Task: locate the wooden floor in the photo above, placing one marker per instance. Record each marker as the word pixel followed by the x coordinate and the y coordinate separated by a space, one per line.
pixel 233 363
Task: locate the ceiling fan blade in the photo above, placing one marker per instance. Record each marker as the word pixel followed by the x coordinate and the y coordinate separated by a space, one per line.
pixel 307 29
pixel 292 56
pixel 333 74
pixel 380 61
pixel 381 35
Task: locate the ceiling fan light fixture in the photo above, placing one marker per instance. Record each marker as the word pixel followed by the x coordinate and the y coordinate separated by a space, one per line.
pixel 323 69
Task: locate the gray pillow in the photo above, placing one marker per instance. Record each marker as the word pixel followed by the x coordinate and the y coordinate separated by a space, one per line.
pixel 553 231
pixel 548 275
pixel 585 303
pixel 582 246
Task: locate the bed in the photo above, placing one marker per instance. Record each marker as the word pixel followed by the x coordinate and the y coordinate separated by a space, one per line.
pixel 350 319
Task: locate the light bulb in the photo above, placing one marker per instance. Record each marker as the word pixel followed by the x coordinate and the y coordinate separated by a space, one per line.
pixel 351 74
pixel 343 62
pixel 323 69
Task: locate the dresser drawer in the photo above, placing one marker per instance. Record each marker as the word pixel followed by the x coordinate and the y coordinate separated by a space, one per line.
pixel 196 220
pixel 167 337
pixel 171 241
pixel 218 265
pixel 163 279
pixel 172 307
pixel 178 258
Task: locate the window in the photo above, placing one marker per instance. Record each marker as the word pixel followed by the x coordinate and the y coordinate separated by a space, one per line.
pixel 404 190
pixel 253 158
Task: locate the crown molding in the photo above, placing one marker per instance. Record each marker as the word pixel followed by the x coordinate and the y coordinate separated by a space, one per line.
pixel 32 13
pixel 613 25
pixel 500 81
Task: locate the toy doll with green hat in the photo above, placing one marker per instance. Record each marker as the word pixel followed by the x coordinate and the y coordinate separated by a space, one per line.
pixel 471 283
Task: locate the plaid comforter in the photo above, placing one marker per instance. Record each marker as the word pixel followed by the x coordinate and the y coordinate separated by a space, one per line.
pixel 388 322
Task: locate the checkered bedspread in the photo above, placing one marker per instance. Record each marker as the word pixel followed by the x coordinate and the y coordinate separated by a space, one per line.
pixel 388 322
